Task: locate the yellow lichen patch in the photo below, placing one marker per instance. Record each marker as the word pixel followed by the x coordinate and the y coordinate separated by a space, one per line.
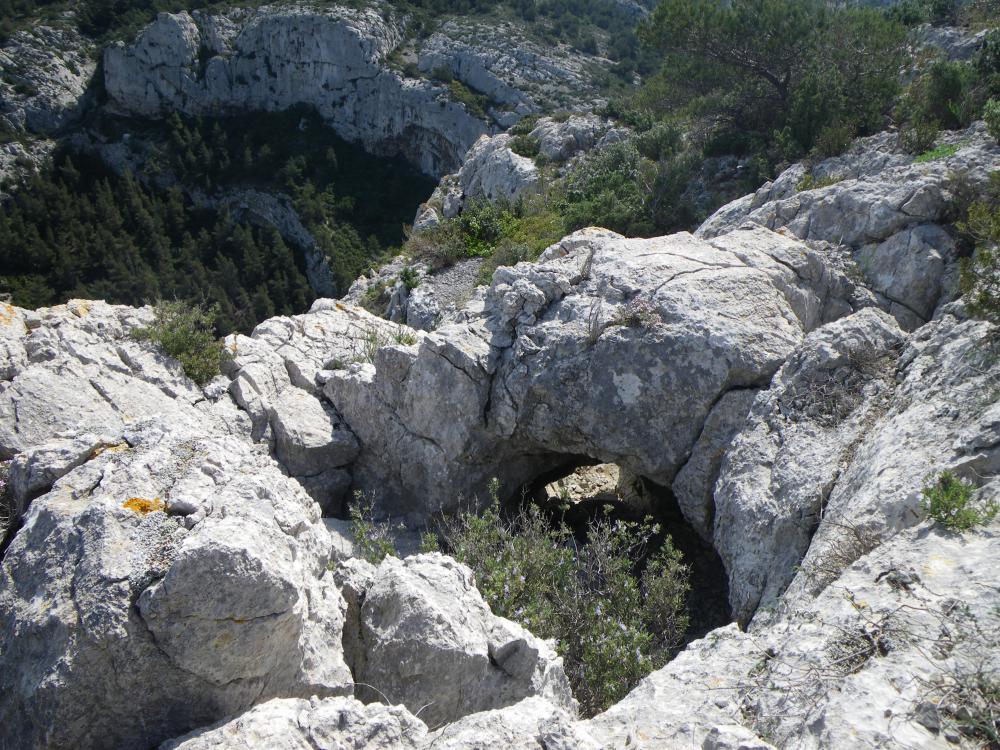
pixel 79 307
pixel 223 639
pixel 7 314
pixel 341 307
pixel 113 448
pixel 143 506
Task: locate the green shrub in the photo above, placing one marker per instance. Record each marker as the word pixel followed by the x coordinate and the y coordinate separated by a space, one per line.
pixel 661 141
pixel 372 539
pixel 980 275
pixel 810 182
pixel 991 114
pixel 525 145
pixel 525 125
pixel 474 102
pixel 609 189
pixel 950 502
pixel 184 331
pixel 615 604
pixel 833 140
pixel 918 137
pixel 410 278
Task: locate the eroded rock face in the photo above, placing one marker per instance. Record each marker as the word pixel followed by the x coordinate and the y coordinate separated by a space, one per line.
pixel 885 208
pixel 556 347
pixel 176 578
pixel 46 72
pixel 297 724
pixel 277 375
pixel 428 641
pixel 778 473
pixel 272 59
pixel 518 74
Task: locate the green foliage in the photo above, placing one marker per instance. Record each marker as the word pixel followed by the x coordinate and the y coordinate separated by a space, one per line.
pixel 991 114
pixel 810 182
pixel 980 274
pixel 615 603
pixel 918 137
pixel 410 278
pixel 525 145
pixel 950 502
pixel 372 539
pixel 474 102
pixel 500 232
pixel 941 152
pixel 525 125
pixel 760 66
pixel 610 188
pixel 185 332
pixel 80 230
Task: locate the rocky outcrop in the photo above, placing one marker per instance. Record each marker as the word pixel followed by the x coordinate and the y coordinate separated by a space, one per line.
pixel 296 724
pixel 277 375
pixel 518 74
pixel 884 207
pixel 44 75
pixel 535 370
pixel 778 473
pixel 494 172
pixel 185 564
pixel 428 640
pixel 272 59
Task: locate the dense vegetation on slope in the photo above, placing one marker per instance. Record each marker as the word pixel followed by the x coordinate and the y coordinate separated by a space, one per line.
pixel 79 230
pixel 762 82
pixel 82 231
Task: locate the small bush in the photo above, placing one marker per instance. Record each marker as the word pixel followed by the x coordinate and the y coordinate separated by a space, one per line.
pixel 615 604
pixel 980 274
pixel 810 182
pixel 991 114
pixel 661 141
pixel 525 125
pixel 950 502
pixel 372 539
pixel 184 332
pixel 638 313
pixel 833 140
pixel 525 145
pixel 410 278
pixel 918 137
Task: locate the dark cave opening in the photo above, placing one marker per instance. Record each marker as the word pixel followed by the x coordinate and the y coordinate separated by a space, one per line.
pixel 579 490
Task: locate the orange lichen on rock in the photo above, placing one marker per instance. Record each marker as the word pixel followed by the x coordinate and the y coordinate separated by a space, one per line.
pixel 7 314
pixel 112 448
pixel 143 506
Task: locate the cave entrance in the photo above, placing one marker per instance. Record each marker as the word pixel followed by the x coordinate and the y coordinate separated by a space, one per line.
pixel 580 490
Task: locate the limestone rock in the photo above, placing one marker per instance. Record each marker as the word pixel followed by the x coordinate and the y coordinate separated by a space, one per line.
pixel 517 74
pixel 77 368
pixel 431 643
pixel 297 724
pixel 856 665
pixel 494 172
pixel 885 208
pixel 565 357
pixel 187 566
pixel 332 60
pixel 558 141
pixel 531 724
pixel 675 707
pixel 779 471
pixel 46 72
pixel 943 416
pixel 276 376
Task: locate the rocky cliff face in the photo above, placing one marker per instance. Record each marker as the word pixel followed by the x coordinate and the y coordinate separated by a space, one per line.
pixel 276 58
